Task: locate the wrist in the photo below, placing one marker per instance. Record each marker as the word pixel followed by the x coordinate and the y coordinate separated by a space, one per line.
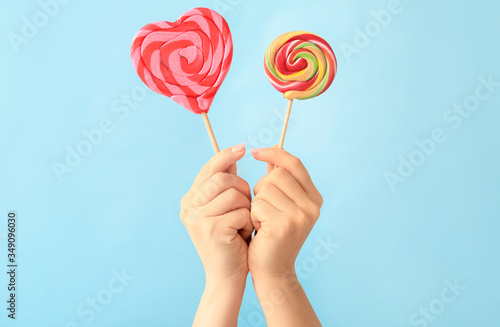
pixel 276 291
pixel 220 303
pixel 217 280
pixel 266 284
pixel 280 277
pixel 226 285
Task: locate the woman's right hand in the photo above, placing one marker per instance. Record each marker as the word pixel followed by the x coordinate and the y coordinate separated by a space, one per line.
pixel 216 214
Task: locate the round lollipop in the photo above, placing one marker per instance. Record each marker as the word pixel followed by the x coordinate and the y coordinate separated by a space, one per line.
pixel 186 60
pixel 300 65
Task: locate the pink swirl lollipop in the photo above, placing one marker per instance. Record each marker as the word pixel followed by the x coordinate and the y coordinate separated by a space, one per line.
pixel 186 60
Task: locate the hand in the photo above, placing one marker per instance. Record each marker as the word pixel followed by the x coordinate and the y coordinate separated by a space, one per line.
pixel 216 214
pixel 285 209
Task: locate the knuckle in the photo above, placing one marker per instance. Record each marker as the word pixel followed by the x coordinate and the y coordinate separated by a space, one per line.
pixel 207 169
pixel 246 185
pixel 266 188
pixel 232 194
pixel 256 207
pixel 302 221
pixel 199 198
pixel 187 218
pixel 210 170
pixel 256 189
pixel 255 203
pixel 295 162
pixel 279 172
pixel 320 200
pixel 244 212
pixel 226 240
pixel 221 178
pixel 316 212
pixel 187 204
pixel 184 201
pixel 183 215
pixel 313 209
pixel 253 212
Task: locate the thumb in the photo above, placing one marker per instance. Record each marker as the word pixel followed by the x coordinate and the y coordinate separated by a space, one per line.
pixel 270 165
pixel 223 161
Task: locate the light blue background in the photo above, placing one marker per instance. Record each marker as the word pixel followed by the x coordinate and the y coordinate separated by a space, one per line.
pixel 118 209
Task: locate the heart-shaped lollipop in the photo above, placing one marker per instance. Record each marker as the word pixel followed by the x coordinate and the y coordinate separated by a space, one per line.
pixel 186 60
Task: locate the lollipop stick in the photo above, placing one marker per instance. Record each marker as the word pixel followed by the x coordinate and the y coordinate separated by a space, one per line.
pixel 285 124
pixel 210 132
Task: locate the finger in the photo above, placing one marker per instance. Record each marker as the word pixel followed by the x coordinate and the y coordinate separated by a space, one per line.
pixel 274 196
pixel 270 166
pixel 232 169
pixel 220 162
pixel 229 200
pixel 217 184
pixel 240 221
pixel 290 163
pixel 285 182
pixel 261 212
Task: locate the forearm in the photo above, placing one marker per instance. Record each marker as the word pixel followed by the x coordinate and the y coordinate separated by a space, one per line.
pixel 284 302
pixel 220 304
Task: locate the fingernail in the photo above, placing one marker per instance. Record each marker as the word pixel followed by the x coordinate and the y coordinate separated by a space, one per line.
pixel 238 148
pixel 256 150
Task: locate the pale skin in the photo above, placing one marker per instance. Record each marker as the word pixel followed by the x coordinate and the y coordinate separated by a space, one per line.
pixel 220 217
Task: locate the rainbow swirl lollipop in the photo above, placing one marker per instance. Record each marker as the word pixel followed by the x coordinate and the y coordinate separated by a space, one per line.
pixel 300 65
